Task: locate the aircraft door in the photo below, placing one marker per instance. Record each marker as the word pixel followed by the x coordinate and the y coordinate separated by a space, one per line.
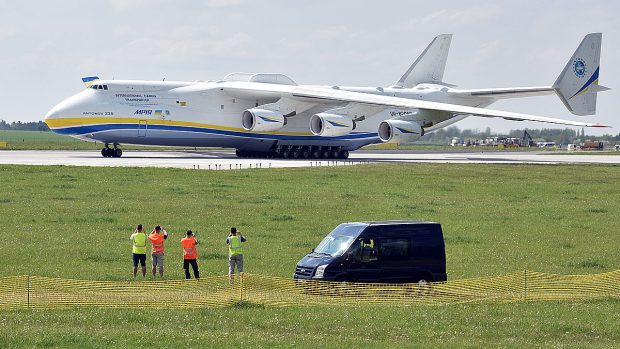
pixel 142 126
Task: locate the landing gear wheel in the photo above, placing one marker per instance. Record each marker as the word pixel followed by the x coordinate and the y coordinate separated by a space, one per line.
pixel 305 154
pixel 344 154
pixel 295 154
pixel 239 153
pixel 325 154
pixel 335 154
pixel 315 154
pixel 286 154
pixel 107 152
pixel 117 153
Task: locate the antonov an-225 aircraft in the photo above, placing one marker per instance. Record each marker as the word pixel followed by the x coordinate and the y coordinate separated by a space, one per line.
pixel 268 115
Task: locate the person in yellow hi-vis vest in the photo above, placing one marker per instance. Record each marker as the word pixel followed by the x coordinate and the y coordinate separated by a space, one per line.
pixel 235 252
pixel 139 239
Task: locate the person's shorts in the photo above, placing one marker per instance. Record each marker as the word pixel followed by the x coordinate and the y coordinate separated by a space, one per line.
pixel 139 258
pixel 158 259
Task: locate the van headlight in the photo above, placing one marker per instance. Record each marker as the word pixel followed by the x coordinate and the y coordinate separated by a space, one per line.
pixel 320 270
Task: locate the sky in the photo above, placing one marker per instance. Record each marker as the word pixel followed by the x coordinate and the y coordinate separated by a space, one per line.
pixel 47 46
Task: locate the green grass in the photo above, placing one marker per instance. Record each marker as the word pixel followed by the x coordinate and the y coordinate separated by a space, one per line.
pixel 497 219
pixel 74 223
pixel 48 140
pixel 43 140
pixel 525 325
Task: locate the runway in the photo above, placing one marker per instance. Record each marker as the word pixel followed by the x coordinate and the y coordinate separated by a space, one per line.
pixel 226 159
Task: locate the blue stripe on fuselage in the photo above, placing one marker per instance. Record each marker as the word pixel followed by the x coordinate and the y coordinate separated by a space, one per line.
pixel 86 129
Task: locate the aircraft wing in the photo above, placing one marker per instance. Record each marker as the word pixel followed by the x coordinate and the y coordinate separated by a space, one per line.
pixel 335 96
pixel 501 93
pixel 395 102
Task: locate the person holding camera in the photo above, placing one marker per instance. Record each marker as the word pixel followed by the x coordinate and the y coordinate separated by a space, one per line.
pixel 157 237
pixel 138 239
pixel 190 254
pixel 235 252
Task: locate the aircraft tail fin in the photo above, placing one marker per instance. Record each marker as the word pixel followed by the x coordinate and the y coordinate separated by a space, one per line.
pixel 430 65
pixel 577 85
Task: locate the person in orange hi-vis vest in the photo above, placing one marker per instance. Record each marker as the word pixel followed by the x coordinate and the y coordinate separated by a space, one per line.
pixel 157 237
pixel 190 254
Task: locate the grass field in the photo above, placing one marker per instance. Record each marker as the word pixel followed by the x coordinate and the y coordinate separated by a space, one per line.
pixel 524 325
pixel 43 141
pixel 75 222
pixel 47 140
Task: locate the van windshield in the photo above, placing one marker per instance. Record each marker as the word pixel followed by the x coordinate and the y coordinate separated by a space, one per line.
pixel 339 240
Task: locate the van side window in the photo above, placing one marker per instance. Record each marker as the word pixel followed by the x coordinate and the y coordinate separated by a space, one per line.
pixel 394 248
pixel 369 250
pixel 427 236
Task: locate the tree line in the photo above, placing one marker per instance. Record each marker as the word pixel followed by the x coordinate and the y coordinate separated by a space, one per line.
pixel 559 136
pixel 23 126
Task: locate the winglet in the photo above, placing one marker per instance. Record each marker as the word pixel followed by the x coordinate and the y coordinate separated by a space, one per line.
pixel 89 80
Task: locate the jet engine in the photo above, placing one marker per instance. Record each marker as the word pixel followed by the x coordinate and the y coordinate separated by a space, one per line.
pixel 262 120
pixel 331 125
pixel 399 131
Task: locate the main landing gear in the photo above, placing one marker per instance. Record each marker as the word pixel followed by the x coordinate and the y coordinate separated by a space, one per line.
pixel 297 152
pixel 108 152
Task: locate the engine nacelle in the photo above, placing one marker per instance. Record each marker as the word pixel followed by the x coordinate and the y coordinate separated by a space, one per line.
pixel 262 120
pixel 399 131
pixel 331 125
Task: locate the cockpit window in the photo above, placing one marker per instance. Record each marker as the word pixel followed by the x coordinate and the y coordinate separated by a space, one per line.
pixel 98 87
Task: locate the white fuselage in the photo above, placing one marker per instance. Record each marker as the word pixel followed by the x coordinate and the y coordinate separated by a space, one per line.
pixel 150 113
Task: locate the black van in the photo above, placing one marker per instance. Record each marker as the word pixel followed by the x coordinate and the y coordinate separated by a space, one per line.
pixel 389 251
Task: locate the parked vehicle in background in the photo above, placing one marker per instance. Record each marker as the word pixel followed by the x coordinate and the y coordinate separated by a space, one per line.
pixel 592 145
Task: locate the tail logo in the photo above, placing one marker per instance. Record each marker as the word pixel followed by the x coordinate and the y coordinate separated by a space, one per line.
pixel 579 66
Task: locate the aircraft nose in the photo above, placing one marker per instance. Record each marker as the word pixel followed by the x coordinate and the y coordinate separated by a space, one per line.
pixel 51 117
pixel 68 108
pixel 53 113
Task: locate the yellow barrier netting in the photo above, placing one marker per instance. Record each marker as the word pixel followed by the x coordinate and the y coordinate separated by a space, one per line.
pixel 18 292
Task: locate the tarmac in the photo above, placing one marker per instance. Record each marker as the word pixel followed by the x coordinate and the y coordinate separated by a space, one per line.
pixel 226 159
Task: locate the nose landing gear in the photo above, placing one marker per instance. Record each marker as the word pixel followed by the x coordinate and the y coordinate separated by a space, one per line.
pixel 108 152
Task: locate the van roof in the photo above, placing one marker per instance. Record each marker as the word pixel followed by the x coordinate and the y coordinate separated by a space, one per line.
pixel 394 222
